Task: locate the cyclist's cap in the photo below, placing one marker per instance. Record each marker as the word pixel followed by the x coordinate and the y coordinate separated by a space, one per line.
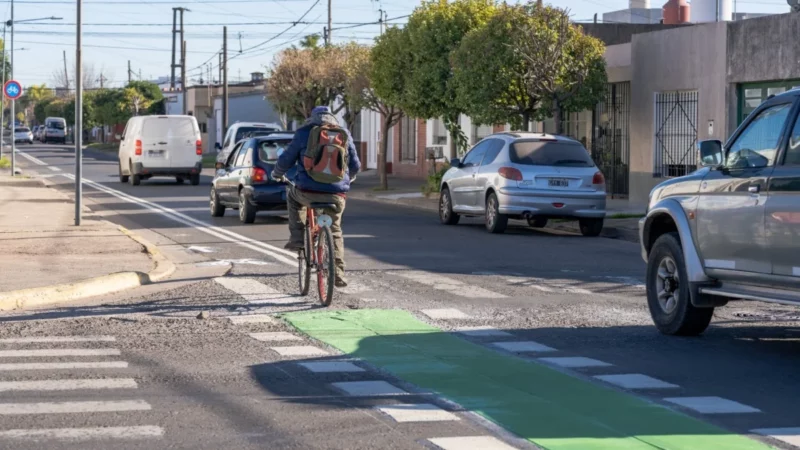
pixel 321 110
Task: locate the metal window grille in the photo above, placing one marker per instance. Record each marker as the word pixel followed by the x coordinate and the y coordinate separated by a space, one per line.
pixel 675 151
pixel 611 137
pixel 439 132
pixel 408 139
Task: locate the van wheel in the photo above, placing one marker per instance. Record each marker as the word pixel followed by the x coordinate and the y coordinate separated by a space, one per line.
pixel 194 179
pixel 668 296
pixel 247 213
pixel 135 179
pixel 496 223
pixel 179 180
pixel 122 178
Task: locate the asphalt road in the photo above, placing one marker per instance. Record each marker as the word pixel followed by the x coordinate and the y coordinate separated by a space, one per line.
pixel 209 383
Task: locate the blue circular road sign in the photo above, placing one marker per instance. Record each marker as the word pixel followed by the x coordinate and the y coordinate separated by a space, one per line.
pixel 12 89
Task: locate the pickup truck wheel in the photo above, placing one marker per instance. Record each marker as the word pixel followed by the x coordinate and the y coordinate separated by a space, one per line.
pixel 194 179
pixel 135 179
pixel 668 296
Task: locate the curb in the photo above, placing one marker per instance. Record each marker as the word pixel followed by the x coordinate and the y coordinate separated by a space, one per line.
pixel 102 285
pixel 399 202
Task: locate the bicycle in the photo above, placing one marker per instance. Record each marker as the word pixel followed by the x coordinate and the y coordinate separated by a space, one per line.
pixel 318 251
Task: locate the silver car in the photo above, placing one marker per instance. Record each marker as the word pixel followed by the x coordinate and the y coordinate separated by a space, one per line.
pixel 531 176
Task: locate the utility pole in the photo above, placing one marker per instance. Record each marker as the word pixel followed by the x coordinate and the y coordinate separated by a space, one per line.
pixel 78 115
pixel 325 35
pixel 219 67
pixel 13 119
pixel 224 80
pixel 3 96
pixel 174 31
pixel 330 24
pixel 184 91
pixel 380 20
pixel 66 73
pixel 129 71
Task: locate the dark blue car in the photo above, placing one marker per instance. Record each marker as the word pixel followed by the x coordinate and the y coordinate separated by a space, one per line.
pixel 243 182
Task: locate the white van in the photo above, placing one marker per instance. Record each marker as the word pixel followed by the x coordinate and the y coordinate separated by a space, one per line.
pixel 160 146
pixel 55 130
pixel 239 131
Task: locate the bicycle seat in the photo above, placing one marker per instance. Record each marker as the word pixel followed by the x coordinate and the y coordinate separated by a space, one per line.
pixel 332 206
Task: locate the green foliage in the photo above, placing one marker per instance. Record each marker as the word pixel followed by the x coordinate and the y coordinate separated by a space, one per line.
pixel 109 107
pixel 434 181
pixel 151 93
pixel 391 65
pixel 5 163
pixel 88 110
pixel 435 30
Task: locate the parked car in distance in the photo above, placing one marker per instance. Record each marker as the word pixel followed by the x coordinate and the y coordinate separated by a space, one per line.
pixel 237 132
pixel 55 130
pixel 730 230
pixel 242 182
pixel 35 132
pixel 23 135
pixel 521 175
pixel 160 146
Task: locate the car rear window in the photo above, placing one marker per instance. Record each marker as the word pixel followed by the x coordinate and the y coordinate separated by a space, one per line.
pixel 550 153
pixel 23 129
pixel 270 151
pixel 168 127
pixel 56 125
pixel 244 131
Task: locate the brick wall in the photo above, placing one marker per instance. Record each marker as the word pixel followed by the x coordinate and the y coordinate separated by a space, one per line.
pixel 419 168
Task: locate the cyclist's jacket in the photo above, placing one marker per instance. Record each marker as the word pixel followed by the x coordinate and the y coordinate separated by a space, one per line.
pixel 296 150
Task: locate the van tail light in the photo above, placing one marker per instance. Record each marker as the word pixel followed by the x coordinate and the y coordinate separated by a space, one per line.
pixel 198 147
pixel 598 178
pixel 138 148
pixel 258 175
pixel 510 173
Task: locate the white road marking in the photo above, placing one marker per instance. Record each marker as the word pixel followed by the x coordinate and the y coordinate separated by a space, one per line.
pixel 445 314
pixel 354 289
pixel 523 347
pixel 636 381
pixel 225 262
pixel 275 336
pixel 252 318
pixel 59 352
pixel 423 412
pixel 84 434
pixel 257 293
pixel 65 365
pixel 68 385
pixel 368 388
pixel 403 195
pixel 32 159
pixel 299 350
pixel 712 405
pixel 358 236
pixel 34 340
pixel 483 331
pixel 450 285
pixel 789 435
pixel 530 282
pixel 630 281
pixel 575 362
pixel 54 169
pixel 284 256
pixel 201 249
pixel 13 409
pixel 331 366
pixel 470 443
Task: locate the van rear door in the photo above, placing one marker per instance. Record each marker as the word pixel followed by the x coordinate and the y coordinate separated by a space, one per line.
pixel 170 142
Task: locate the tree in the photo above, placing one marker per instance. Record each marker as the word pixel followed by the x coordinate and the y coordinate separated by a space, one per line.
pixel 4 60
pixel 436 29
pixel 310 41
pixel 495 91
pixel 566 68
pixel 40 110
pixel 354 67
pixel 88 111
pixel 135 101
pixel 301 79
pixel 88 75
pixel 389 67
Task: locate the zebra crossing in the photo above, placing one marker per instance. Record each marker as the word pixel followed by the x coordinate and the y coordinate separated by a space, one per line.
pixel 77 375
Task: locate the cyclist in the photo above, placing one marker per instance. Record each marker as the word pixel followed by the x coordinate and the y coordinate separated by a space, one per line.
pixel 326 159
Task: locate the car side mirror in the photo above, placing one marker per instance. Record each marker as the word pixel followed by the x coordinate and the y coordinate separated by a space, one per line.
pixel 220 165
pixel 455 162
pixel 119 137
pixel 711 153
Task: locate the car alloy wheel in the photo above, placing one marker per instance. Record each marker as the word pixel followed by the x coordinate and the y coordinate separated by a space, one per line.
pixel 668 285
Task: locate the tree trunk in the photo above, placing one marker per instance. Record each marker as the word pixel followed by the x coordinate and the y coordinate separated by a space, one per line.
pixel 558 117
pixel 526 121
pixel 382 150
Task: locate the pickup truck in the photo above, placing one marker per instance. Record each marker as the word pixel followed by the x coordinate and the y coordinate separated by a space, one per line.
pixel 731 229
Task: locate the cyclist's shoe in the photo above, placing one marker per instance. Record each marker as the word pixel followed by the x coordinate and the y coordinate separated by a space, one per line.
pixel 293 246
pixel 340 282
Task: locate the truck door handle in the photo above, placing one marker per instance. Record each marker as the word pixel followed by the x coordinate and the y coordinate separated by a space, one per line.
pixel 754 189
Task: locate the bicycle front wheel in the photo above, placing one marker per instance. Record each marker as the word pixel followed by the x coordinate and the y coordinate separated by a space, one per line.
pixel 304 263
pixel 326 271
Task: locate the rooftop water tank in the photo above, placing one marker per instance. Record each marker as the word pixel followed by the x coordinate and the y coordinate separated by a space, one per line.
pixel 712 11
pixel 677 12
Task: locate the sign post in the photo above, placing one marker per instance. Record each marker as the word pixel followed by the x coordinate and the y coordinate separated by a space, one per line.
pixel 12 90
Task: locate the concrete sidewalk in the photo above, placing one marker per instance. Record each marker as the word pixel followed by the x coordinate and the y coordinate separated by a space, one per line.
pixel 621 222
pixel 46 259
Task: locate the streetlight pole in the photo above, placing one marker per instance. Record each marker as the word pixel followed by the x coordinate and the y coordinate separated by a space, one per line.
pixel 13 115
pixel 78 115
pixel 2 97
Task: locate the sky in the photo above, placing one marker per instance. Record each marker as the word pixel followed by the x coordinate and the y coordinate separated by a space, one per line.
pixel 139 31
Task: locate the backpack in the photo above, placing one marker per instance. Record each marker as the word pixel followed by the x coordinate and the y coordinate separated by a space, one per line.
pixel 325 159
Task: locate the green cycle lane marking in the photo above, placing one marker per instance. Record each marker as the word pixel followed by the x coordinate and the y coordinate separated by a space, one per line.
pixel 549 408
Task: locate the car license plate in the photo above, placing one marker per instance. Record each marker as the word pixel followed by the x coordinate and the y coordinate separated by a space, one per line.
pixel 558 182
pixel 156 153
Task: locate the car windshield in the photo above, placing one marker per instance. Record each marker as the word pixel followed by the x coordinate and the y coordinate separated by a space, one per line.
pixel 270 151
pixel 242 132
pixel 550 153
pixel 23 130
pixel 56 125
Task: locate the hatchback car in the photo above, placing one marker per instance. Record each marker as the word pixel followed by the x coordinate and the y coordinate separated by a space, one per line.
pixel 242 182
pixel 23 134
pixel 531 176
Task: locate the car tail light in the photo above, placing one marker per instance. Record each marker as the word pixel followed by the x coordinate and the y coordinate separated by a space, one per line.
pixel 198 147
pixel 598 178
pixel 510 173
pixel 258 175
pixel 138 148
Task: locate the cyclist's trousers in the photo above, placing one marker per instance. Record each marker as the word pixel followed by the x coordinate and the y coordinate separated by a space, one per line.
pixel 297 200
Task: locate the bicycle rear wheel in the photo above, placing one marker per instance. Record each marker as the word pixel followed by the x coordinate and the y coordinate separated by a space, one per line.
pixel 304 263
pixel 326 272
